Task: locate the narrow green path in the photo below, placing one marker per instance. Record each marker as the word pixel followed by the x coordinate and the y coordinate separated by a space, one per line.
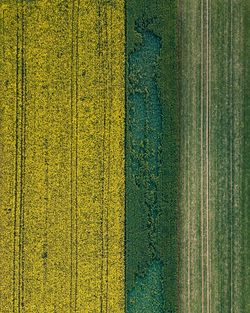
pixel 246 162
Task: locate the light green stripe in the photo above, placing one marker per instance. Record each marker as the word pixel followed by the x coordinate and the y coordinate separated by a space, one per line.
pixel 213 221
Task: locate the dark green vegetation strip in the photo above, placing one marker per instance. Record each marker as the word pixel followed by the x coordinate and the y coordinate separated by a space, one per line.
pixel 151 156
pixel 215 150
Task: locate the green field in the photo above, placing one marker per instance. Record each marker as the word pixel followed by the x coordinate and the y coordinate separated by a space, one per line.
pixel 214 189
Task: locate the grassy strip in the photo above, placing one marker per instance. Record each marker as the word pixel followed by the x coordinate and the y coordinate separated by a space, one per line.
pixel 214 136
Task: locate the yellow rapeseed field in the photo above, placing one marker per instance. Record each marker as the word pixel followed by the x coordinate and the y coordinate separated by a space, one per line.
pixel 62 156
